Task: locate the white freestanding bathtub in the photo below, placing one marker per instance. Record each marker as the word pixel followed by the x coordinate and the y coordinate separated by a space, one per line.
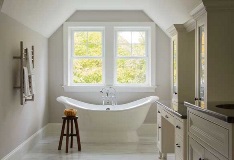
pixel 118 124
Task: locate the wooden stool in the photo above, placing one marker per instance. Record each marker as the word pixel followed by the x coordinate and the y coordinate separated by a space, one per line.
pixel 68 119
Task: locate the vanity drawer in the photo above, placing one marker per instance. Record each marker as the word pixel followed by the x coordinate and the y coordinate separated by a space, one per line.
pixel 179 128
pixel 159 109
pixel 212 134
pixel 168 116
pixel 179 148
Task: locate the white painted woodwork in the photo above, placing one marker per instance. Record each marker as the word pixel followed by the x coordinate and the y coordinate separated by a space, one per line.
pixel 179 128
pixel 217 18
pixel 196 151
pixel 171 134
pixel 209 132
pixel 213 135
pixel 182 44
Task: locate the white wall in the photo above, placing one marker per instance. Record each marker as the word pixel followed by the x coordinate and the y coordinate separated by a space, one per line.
pixel 17 123
pixel 56 63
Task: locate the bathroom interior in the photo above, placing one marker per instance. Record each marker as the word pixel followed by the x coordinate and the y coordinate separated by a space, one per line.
pixel 145 79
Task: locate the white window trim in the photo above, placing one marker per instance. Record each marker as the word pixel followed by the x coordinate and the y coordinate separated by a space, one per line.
pixel 69 26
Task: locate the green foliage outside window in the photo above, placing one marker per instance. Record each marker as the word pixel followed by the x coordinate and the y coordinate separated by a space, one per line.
pixel 89 70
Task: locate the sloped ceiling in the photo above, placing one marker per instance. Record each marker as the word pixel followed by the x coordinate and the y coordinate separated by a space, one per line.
pixel 45 16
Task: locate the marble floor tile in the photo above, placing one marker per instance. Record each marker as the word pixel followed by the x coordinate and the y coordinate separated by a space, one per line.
pixel 46 149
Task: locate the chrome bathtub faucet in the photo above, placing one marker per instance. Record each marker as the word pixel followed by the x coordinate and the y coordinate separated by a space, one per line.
pixel 109 96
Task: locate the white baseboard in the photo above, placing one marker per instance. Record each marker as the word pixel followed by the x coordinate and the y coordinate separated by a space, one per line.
pixel 146 130
pixel 23 148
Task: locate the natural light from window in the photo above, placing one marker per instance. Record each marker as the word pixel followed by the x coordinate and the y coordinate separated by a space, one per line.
pixel 131 57
pixel 118 54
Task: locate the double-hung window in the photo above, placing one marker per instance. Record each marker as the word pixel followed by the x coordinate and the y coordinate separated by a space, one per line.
pixel 131 56
pixel 87 57
pixel 109 54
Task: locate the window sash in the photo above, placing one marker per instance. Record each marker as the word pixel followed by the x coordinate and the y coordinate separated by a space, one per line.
pixel 145 57
pixel 74 57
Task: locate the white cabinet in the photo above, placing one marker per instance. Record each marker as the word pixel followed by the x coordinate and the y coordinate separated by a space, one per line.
pixel 201 59
pixel 198 152
pixel 209 137
pixel 171 134
pixel 214 51
pixel 182 63
pixel 209 156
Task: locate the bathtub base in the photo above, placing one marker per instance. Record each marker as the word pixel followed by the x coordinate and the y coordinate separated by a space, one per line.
pixel 110 137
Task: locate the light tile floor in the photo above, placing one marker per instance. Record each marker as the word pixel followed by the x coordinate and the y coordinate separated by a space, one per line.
pixel 46 149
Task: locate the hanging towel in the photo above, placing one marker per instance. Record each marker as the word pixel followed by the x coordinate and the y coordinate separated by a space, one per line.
pixel 26 82
pixel 29 64
pixel 32 85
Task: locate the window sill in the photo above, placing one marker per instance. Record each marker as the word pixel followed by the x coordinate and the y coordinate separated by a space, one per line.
pixel 118 88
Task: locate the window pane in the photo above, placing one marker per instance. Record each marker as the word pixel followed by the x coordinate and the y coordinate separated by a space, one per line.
pixel 87 71
pixel 95 37
pixel 80 50
pixel 124 37
pixel 202 61
pixel 131 71
pixel 124 50
pixel 80 37
pixel 87 43
pixel 138 49
pixel 138 37
pixel 94 49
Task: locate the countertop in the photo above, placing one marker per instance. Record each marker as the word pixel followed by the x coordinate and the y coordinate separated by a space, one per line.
pixel 226 115
pixel 178 109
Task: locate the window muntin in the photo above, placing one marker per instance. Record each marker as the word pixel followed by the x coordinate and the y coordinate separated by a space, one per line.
pixel 87 58
pixel 131 56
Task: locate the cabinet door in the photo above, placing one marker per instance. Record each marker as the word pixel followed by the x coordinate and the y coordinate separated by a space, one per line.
pixel 210 156
pixel 159 132
pixel 202 65
pixel 196 151
pixel 174 67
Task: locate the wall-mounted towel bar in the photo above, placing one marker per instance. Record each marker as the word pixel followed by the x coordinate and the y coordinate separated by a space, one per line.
pixel 23 60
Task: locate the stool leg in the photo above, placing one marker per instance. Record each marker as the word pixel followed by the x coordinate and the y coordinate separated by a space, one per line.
pixel 71 145
pixel 67 136
pixel 77 135
pixel 61 135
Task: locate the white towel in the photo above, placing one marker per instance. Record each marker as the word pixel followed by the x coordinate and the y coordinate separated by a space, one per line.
pixel 32 85
pixel 26 82
pixel 29 64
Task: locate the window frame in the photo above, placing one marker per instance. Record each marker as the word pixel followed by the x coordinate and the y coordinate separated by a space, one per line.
pixel 109 56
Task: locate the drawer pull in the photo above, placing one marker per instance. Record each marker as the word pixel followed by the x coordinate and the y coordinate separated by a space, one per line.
pixel 159 112
pixel 159 127
pixel 178 146
pixel 201 159
pixel 178 127
pixel 166 116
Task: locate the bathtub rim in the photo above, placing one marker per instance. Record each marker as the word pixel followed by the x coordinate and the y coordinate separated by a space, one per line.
pixel 149 100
